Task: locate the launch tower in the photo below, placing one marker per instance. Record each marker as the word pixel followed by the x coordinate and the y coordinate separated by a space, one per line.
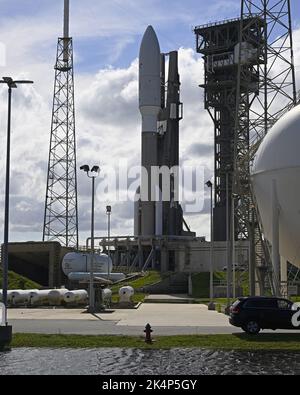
pixel 249 84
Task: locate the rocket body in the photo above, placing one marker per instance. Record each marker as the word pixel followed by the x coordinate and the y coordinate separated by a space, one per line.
pixel 150 106
pixel 156 214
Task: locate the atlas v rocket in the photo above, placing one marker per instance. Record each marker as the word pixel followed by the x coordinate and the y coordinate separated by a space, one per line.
pixel 161 111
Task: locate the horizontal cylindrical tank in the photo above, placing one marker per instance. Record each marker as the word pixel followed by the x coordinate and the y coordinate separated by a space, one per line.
pixel 277 168
pixel 126 294
pixel 20 297
pixel 39 298
pixel 56 296
pixel 9 296
pixel 76 297
pixel 81 263
pixel 114 277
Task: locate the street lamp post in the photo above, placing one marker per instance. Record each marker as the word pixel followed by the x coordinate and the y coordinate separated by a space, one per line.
pixel 108 212
pixel 211 277
pixel 229 258
pixel 11 85
pixel 93 174
pixel 233 246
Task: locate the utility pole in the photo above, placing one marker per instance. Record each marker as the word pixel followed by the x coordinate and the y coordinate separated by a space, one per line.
pixel 211 306
pixel 108 212
pixel 11 84
pixel 92 174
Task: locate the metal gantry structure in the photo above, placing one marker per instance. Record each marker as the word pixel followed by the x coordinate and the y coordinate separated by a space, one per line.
pixel 249 84
pixel 217 43
pixel 61 206
pixel 266 90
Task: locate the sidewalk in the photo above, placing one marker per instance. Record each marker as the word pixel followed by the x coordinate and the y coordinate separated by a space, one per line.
pixel 175 315
pixel 165 319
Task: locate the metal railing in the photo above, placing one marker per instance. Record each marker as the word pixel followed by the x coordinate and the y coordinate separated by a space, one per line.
pixel 218 23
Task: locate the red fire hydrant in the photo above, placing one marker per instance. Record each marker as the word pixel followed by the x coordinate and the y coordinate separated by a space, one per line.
pixel 148 332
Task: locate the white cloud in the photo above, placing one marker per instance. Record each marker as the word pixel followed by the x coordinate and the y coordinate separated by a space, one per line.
pixel 108 128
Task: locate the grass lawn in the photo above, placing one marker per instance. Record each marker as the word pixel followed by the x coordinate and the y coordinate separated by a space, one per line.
pixel 15 281
pixel 150 278
pixel 243 342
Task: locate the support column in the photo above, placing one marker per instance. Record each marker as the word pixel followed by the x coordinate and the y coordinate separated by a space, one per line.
pixel 252 269
pixel 164 260
pixel 190 285
pixel 141 254
pixel 275 240
pixel 284 277
pixel 153 260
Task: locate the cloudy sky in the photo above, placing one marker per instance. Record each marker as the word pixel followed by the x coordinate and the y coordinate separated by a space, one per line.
pixel 106 34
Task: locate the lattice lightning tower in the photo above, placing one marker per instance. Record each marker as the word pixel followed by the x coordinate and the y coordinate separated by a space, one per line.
pixel 61 208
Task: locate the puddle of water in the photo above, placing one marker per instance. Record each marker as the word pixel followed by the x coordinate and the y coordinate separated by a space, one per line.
pixel 146 362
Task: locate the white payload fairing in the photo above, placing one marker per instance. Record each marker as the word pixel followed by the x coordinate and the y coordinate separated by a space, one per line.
pixel 149 81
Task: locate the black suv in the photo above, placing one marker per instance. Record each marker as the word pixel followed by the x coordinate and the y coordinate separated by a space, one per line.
pixel 257 313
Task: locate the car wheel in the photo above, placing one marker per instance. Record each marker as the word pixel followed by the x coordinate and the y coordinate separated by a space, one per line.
pixel 252 328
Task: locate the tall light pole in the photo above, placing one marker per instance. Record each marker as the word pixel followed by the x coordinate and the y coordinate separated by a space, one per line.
pixel 11 85
pixel 108 212
pixel 211 276
pixel 93 174
pixel 233 245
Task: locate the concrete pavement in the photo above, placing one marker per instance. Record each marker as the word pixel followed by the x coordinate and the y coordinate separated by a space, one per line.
pixel 171 315
pixel 166 319
pixel 175 315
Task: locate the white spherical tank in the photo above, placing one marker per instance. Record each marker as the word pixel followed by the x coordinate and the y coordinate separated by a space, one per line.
pixel 126 294
pixel 81 263
pixel 277 167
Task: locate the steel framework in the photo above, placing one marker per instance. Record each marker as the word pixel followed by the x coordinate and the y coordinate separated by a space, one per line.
pixel 249 84
pixel 270 27
pixel 61 208
pixel 219 44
